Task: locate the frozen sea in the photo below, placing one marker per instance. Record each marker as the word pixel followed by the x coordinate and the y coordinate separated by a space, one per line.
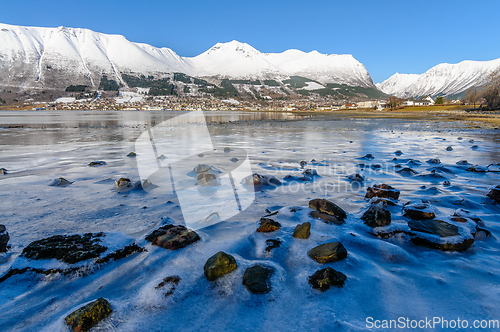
pixel 387 279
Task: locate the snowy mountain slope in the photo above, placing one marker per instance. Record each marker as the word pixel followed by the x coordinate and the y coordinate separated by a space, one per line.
pixel 444 79
pixel 324 68
pixel 58 57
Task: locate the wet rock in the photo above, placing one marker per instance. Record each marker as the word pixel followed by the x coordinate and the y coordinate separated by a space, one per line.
pixel 463 162
pixel 382 191
pixel 449 148
pixel 474 147
pixel 3 171
pixel 466 214
pixel 419 211
pixel 302 231
pixel 123 183
pixel 494 194
pixel 4 238
pixel 398 152
pixel 60 182
pixel 376 216
pixel 207 179
pixel 329 219
pixel 201 168
pixel 85 318
pixel 272 244
pixel 218 265
pixel 434 161
pixel 172 237
pixel 66 248
pixel 356 177
pixel 132 154
pixel 326 278
pixel 458 219
pixel 406 171
pixel 268 225
pixel 97 163
pixel 434 226
pixel 325 206
pixel 261 180
pixel 444 246
pixel 257 279
pixel 328 252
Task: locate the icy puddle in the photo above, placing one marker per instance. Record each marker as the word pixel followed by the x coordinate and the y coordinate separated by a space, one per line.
pixel 424 246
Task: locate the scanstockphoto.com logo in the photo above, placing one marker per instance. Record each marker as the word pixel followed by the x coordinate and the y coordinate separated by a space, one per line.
pixel 178 155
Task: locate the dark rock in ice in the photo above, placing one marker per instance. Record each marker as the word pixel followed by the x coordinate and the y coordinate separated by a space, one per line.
pixel 4 238
pixel 449 148
pixel 219 265
pixel 60 182
pixel 368 156
pixel 494 194
pixel 356 177
pixel 302 231
pixel 474 147
pixel 66 248
pixel 441 169
pixel 494 168
pixel 376 166
pixel 201 155
pixel 432 176
pixel 458 219
pixel 446 183
pixel 329 219
pixel 477 169
pixel 257 279
pixel 202 168
pixel 234 160
pixel 398 153
pixel 132 154
pixel 124 185
pixel 303 164
pixel 172 237
pixel 162 157
pixel 226 150
pixel 3 171
pixel 328 252
pixel 85 318
pixel 434 161
pixel 268 225
pixel 376 216
pixel 463 162
pixel 434 226
pixel 172 281
pixel 419 211
pixel 460 138
pixel 272 244
pixel 382 191
pixel 310 173
pixel 414 162
pixel 471 141
pixel 407 171
pixel 466 214
pixel 327 277
pixel 325 206
pixel 97 163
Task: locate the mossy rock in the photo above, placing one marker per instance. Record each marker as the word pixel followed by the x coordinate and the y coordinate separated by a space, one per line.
pixel 325 206
pixel 89 316
pixel 328 252
pixel 302 231
pixel 327 277
pixel 67 248
pixel 256 279
pixel 218 265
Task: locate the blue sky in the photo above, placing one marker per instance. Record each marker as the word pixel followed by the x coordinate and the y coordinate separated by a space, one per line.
pixel 386 36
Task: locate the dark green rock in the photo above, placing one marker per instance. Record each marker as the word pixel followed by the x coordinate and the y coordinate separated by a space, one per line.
pixel 436 227
pixel 85 318
pixel 219 265
pixel 325 206
pixel 327 277
pixel 328 252
pixel 302 231
pixel 376 216
pixel 67 248
pixel 256 279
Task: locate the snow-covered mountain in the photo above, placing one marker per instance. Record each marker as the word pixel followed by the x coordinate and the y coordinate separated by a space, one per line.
pixel 58 57
pixel 444 79
pixel 324 68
